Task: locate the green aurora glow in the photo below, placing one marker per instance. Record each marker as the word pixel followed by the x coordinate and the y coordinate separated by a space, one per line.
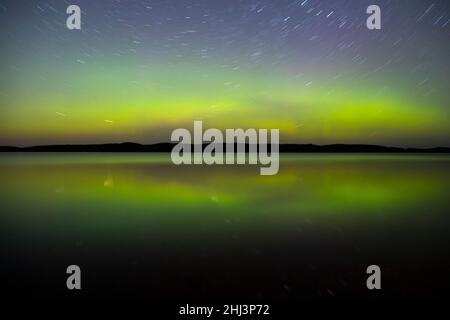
pixel 93 86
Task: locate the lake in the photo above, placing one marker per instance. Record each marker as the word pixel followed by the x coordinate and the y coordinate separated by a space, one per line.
pixel 141 227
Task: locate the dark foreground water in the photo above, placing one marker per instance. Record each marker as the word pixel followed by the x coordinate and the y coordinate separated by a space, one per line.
pixel 140 227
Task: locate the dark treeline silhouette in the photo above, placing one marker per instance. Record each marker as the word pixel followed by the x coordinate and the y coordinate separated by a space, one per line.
pixel 167 147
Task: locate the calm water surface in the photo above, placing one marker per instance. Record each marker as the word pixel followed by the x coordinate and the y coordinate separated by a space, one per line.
pixel 141 227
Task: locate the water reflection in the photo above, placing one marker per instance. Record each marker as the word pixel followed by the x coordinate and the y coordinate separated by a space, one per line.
pixel 320 210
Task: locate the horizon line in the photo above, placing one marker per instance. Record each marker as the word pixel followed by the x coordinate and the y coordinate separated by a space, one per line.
pixel 293 147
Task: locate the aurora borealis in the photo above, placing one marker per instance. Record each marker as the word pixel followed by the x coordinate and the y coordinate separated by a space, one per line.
pixel 186 222
pixel 139 69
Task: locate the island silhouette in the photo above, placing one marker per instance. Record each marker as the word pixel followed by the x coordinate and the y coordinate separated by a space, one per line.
pixel 167 147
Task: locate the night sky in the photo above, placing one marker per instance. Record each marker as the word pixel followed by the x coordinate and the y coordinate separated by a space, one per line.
pixel 137 70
